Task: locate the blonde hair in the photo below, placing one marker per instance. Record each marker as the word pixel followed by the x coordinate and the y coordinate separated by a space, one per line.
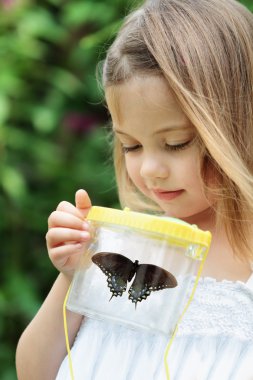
pixel 204 50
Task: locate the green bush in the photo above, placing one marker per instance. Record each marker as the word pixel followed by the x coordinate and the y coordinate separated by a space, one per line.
pixel 53 140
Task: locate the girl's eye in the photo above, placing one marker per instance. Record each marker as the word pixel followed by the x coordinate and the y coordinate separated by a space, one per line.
pixel 171 148
pixel 133 148
pixel 178 146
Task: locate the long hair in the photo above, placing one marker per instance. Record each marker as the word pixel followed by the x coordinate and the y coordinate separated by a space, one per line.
pixel 204 50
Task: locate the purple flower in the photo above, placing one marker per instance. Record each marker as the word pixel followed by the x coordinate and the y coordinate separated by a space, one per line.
pixel 7 4
pixel 80 123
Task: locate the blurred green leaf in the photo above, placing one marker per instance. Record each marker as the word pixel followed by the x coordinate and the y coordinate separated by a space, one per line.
pixel 248 4
pixel 79 13
pixel 13 183
pixel 44 119
pixel 10 83
pixel 39 22
pixel 9 374
pixel 19 296
pixel 65 81
pixel 26 47
pixel 4 108
pixel 100 36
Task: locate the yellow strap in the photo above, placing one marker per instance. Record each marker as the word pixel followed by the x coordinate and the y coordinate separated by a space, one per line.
pixel 181 317
pixel 67 335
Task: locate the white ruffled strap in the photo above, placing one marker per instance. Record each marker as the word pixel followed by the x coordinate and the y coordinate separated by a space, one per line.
pixel 249 283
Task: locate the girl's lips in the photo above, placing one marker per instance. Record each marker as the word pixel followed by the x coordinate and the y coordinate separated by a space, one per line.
pixel 167 195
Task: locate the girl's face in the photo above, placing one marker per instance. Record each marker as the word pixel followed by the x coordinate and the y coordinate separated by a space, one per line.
pixel 160 148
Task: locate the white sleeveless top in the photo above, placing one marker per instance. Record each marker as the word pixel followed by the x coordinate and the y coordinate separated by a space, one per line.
pixel 214 342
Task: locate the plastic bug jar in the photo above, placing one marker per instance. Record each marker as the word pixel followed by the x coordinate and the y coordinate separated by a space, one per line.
pixel 139 269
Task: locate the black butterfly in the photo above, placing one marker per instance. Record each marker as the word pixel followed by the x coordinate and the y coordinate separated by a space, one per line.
pixel 119 270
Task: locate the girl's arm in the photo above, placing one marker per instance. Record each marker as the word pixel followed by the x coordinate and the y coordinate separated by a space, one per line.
pixel 42 347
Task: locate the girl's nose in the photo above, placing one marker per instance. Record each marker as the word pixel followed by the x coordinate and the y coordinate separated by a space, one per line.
pixel 153 167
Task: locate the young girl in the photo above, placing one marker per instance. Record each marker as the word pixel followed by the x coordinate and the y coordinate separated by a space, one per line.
pixel 179 86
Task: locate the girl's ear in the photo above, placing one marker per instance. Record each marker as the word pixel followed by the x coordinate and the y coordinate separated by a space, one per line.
pixel 83 202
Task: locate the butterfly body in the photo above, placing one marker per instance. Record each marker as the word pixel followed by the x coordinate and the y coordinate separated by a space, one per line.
pixel 120 270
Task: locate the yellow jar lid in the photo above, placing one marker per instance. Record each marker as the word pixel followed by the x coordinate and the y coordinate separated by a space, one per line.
pixel 172 229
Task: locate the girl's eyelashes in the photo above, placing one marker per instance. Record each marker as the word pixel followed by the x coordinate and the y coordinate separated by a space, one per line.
pixel 132 148
pixel 180 146
pixel 169 147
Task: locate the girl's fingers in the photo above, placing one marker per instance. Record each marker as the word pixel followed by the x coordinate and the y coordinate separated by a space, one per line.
pixel 62 254
pixel 69 208
pixel 67 220
pixel 58 236
pixel 66 258
pixel 83 202
pixel 68 232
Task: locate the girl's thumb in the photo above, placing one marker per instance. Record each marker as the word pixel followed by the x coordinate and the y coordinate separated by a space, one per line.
pixel 83 202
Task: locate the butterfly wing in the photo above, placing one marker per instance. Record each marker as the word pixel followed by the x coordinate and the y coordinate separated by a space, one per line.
pixel 118 270
pixel 150 278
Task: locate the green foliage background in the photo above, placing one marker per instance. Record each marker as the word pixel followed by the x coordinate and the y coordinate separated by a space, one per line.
pixel 53 139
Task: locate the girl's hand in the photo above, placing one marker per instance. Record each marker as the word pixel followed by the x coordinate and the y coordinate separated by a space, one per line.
pixel 68 233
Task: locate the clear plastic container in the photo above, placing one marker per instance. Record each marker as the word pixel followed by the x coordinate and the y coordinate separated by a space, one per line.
pixel 138 269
